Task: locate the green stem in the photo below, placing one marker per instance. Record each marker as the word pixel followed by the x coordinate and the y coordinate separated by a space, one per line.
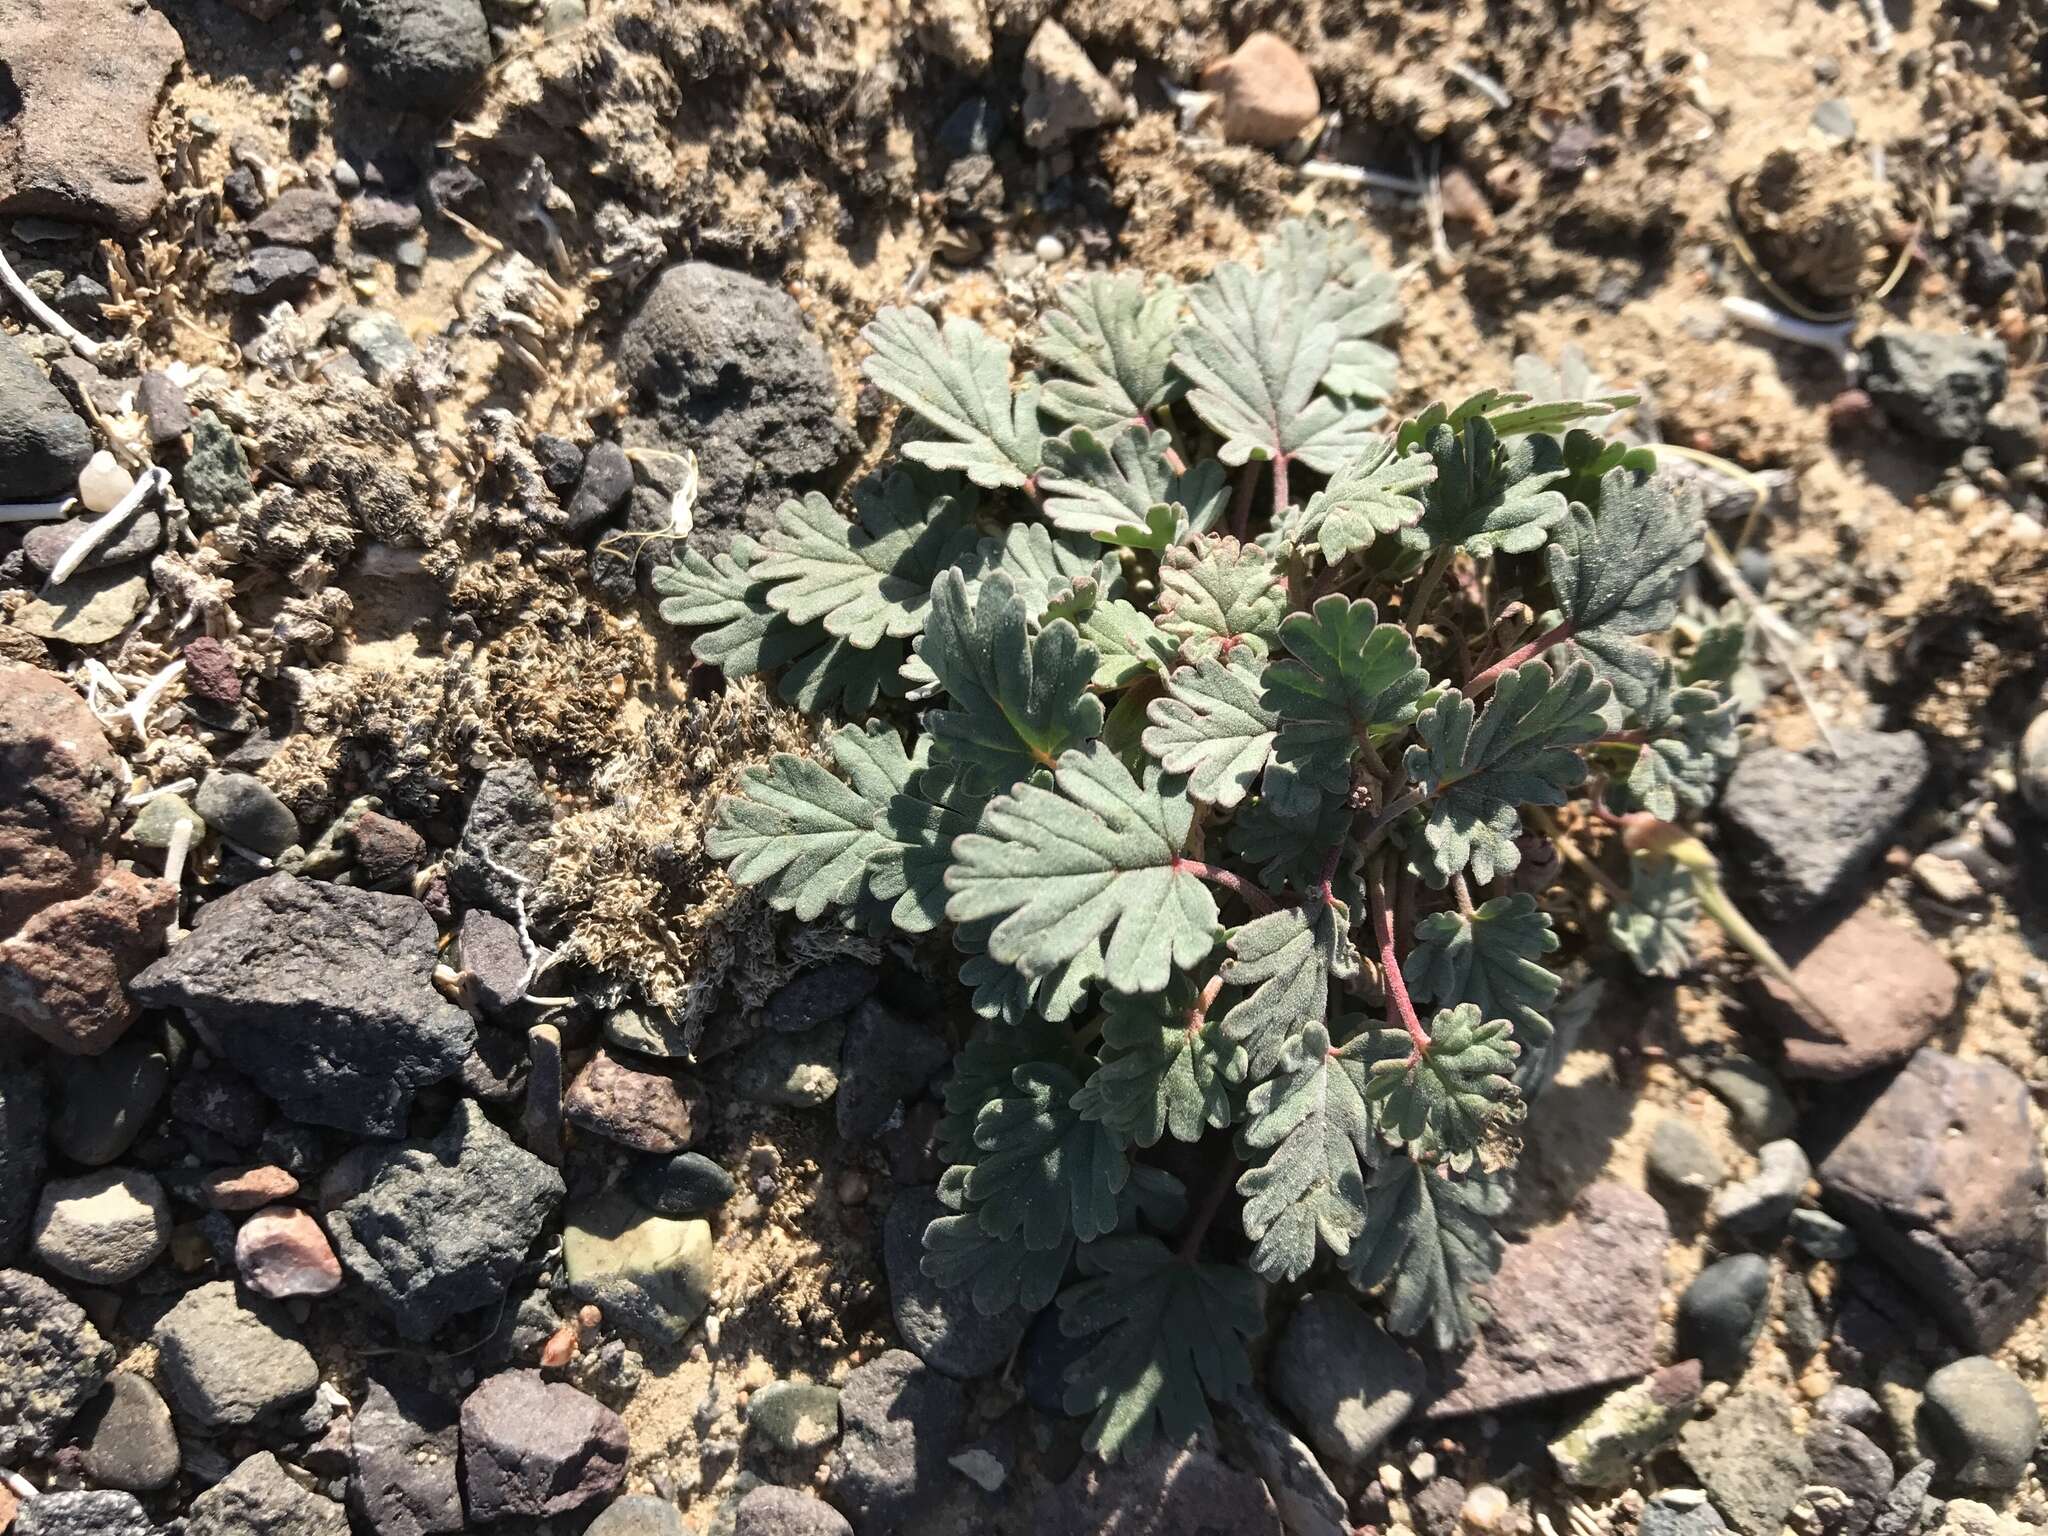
pixel 1518 657
pixel 1384 822
pixel 1432 578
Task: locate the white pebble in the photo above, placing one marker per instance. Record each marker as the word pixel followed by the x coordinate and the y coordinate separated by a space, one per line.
pixel 103 482
pixel 337 76
pixel 1485 1507
pixel 1422 1468
pixel 1965 498
pixel 1050 248
pixel 1390 1477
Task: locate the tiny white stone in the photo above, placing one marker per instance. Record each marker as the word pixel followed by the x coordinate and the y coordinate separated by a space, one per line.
pixel 337 76
pixel 1423 1467
pixel 1485 1507
pixel 1390 1478
pixel 1050 248
pixel 103 482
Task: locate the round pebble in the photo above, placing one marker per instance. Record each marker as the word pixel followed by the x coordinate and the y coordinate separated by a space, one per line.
pixel 1722 1312
pixel 103 1228
pixel 1682 1159
pixel 103 482
pixel 1981 1422
pixel 1050 248
pixel 2033 765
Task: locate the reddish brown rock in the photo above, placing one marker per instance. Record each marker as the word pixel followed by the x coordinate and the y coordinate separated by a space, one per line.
pixel 1269 96
pixel 65 974
pixel 246 1189
pixel 537 1448
pixel 85 77
pixel 648 1111
pixel 1874 992
pixel 1574 1306
pixel 1941 1177
pixel 387 851
pixel 58 784
pixel 210 674
pixel 282 1252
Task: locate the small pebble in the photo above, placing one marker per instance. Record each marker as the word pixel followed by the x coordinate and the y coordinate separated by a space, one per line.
pixel 1050 248
pixel 1486 1508
pixel 103 482
pixel 337 76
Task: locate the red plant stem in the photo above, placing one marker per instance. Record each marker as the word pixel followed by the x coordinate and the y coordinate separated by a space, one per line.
pixel 1432 577
pixel 1231 881
pixel 1279 489
pixel 1241 503
pixel 1463 892
pixel 1516 658
pixel 1212 1202
pixel 1174 461
pixel 1399 1006
pixel 1396 809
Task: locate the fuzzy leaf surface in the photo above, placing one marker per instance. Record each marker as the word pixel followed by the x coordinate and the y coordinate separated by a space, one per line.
pixel 1488 499
pixel 1439 1102
pixel 1159 1075
pixel 1332 272
pixel 1168 1334
pixel 1003 992
pixel 1113 339
pixel 1690 749
pixel 1371 496
pixel 1519 752
pixel 1617 574
pixel 1116 487
pixel 1285 960
pixel 1128 644
pixel 1429 1240
pixel 1313 1121
pixel 1221 595
pixel 1255 354
pixel 958 382
pixel 867 580
pixel 1288 852
pixel 1041 1172
pixel 1016 699
pixel 1092 860
pixel 804 836
pixel 1213 727
pixel 996 1273
pixel 919 823
pixel 1349 676
pixel 1489 960
pixel 1654 927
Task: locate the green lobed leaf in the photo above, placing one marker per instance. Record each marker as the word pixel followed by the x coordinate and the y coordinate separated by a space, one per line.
pixel 1439 1102
pixel 867 581
pixel 1041 1172
pixel 1128 644
pixel 1654 927
pixel 1369 497
pixel 919 824
pixel 1255 354
pixel 803 836
pixel 1094 859
pixel 1212 727
pixel 1429 1239
pixel 1221 595
pixel 958 382
pixel 996 1273
pixel 1332 272
pixel 1165 1070
pixel 1041 564
pixel 1313 1122
pixel 1488 498
pixel 1490 961
pixel 1113 337
pixel 1000 991
pixel 984 1070
pixel 1285 960
pixel 1349 677
pixel 1690 749
pixel 1117 488
pixel 1520 752
pixel 1167 1334
pixel 1617 575
pixel 1015 700
pixel 1289 852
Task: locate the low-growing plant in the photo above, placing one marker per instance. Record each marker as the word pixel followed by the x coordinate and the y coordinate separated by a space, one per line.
pixel 1227 800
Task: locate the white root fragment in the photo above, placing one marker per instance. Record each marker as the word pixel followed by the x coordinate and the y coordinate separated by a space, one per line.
pixel 1831 337
pixel 36 511
pixel 1881 34
pixel 174 873
pixel 154 479
pixel 45 316
pixel 1483 83
pixel 137 709
pixel 176 787
pixel 1361 176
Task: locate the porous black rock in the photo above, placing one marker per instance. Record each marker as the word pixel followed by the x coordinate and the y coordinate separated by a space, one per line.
pixel 1939 385
pixel 55 1362
pixel 509 818
pixel 229 1360
pixel 900 1422
pixel 43 443
pixel 322 994
pixel 403 1474
pixel 941 1324
pixel 421 54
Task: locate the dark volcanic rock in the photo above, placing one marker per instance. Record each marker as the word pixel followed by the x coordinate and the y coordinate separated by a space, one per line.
pixel 1750 1459
pixel 24 1122
pixel 272 272
pixel 65 973
pixel 1574 1306
pixel 83 78
pixel 323 995
pixel 128 1438
pixel 387 850
pixel 687 1184
pixel 421 54
pixel 771 1511
pixel 1844 1459
pixel 726 365
pixel 137 539
pixel 941 1324
pixel 821 994
pixel 1937 384
pixel 244 809
pixel 602 488
pixel 888 1059
pixel 403 1473
pixel 1165 1492
pixel 58 784
pixel 259 1498
pixel 535 1447
pixel 440 1228
pixel 1343 1379
pixel 55 1364
pixel 82 1513
pixel 43 444
pixel 1941 1177
pixel 509 817
pixel 1722 1313
pixel 303 216
pixel 1805 826
pixel 489 950
pixel 1981 1422
pixel 900 1421
pixel 228 1360
pixel 647 1110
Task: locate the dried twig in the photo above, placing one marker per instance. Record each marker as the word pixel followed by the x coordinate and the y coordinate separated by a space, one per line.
pixel 45 316
pixel 1483 83
pixel 1881 34
pixel 154 479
